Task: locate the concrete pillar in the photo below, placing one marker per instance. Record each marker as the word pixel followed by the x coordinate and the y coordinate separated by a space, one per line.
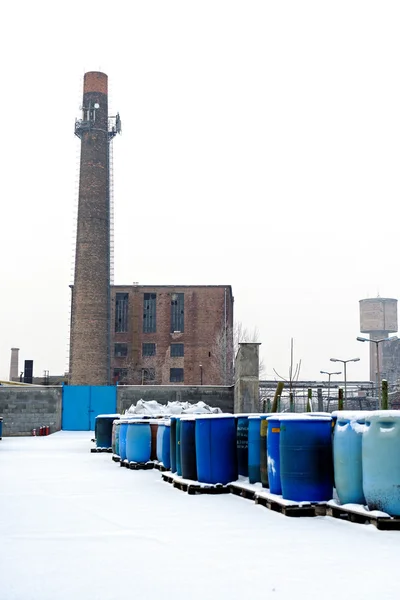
pixel 247 382
pixel 14 364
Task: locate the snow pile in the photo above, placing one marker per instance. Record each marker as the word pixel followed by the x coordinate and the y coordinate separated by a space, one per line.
pixel 151 408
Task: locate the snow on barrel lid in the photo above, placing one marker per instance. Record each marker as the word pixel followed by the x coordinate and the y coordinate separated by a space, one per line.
pixel 351 415
pixel 382 414
pixel 216 416
pixel 116 416
pixel 259 415
pixel 299 417
pixel 188 417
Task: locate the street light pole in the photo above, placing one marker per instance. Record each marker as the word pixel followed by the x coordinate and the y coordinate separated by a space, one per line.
pixel 345 374
pixel 378 370
pixel 329 381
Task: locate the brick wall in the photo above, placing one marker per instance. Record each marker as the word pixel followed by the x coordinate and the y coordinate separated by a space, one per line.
pixel 205 308
pixel 90 301
pixel 24 409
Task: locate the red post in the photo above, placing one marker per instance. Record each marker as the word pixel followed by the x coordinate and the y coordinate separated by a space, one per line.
pixel 47 429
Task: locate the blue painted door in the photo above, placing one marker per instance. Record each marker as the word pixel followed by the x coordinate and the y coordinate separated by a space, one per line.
pixel 103 400
pixel 82 403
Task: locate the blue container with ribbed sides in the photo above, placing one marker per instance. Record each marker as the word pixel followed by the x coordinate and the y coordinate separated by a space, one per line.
pixel 116 441
pixel 242 444
pixel 216 449
pixel 160 436
pixel 188 448
pixel 122 439
pixel 381 461
pixel 166 451
pixel 305 447
pixel 347 456
pixel 178 447
pixel 273 455
pixel 172 444
pixel 254 455
pixel 138 441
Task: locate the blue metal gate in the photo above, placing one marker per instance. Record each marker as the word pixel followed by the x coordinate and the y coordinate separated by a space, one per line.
pixel 82 403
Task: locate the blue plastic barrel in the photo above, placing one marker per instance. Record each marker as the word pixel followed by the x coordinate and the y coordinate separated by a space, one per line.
pixel 216 449
pixel 178 447
pixel 254 448
pixel 122 438
pixel 381 461
pixel 166 446
pixel 138 441
pixel 273 456
pixel 242 444
pixel 347 456
pixel 103 430
pixel 172 444
pixel 117 429
pixel 188 447
pixel 160 437
pixel 305 448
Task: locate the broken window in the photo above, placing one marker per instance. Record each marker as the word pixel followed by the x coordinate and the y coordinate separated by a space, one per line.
pixel 121 312
pixel 177 312
pixel 149 313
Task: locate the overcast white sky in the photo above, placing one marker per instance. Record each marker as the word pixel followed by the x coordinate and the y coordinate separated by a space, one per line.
pixel 260 148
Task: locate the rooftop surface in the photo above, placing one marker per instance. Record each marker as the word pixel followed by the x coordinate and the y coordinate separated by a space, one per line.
pixel 73 525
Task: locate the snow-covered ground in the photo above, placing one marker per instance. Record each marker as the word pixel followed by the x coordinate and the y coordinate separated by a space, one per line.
pixel 75 526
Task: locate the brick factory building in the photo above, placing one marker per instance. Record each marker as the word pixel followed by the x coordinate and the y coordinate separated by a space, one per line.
pixel 172 334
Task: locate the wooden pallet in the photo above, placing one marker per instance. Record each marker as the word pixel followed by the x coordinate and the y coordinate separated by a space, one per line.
pixel 135 466
pixel 194 487
pixel 96 450
pixel 303 509
pixel 244 492
pixel 362 517
pixel 160 467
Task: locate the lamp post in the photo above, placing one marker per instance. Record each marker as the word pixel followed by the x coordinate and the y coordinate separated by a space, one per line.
pixel 378 370
pixel 345 374
pixel 329 381
pixel 201 374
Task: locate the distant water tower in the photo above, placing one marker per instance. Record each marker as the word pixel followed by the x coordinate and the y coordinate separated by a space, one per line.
pixel 378 317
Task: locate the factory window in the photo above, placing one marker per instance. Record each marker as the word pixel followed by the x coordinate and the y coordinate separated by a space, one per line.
pixel 148 349
pixel 121 312
pixel 176 375
pixel 120 375
pixel 120 350
pixel 149 313
pixel 177 312
pixel 148 375
pixel 177 350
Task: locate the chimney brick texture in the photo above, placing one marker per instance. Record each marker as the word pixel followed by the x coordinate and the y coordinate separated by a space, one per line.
pixel 89 343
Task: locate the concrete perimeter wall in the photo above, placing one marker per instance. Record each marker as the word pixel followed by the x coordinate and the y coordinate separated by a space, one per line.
pixel 216 396
pixel 26 408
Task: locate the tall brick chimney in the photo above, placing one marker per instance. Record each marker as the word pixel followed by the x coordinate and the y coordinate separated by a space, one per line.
pixel 90 311
pixel 14 364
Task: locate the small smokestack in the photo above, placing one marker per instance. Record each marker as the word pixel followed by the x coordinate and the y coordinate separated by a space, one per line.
pixel 14 364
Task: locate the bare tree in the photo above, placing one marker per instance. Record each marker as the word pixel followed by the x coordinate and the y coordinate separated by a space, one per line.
pixel 226 346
